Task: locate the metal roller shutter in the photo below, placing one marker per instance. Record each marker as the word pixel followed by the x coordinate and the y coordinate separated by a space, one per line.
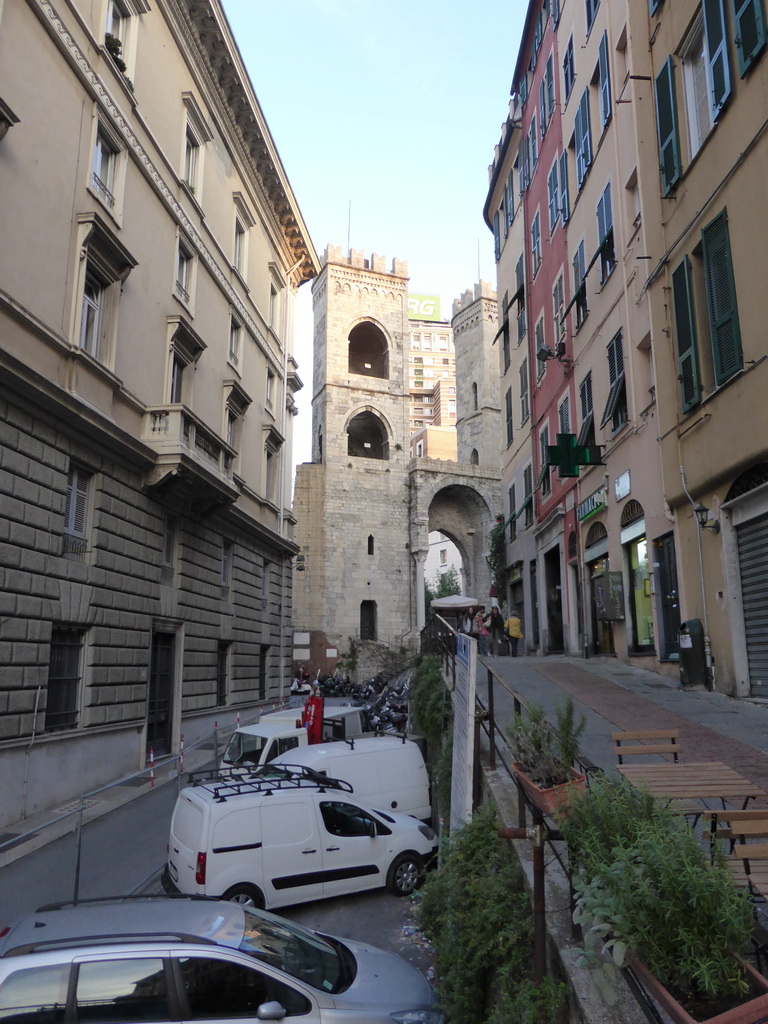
pixel 753 563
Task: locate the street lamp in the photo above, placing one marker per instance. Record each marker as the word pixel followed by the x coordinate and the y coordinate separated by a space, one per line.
pixel 702 517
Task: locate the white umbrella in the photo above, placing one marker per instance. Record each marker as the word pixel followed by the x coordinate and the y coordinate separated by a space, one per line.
pixel 454 603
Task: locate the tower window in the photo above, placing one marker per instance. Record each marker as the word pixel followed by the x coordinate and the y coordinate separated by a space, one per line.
pixel 368 351
pixel 370 544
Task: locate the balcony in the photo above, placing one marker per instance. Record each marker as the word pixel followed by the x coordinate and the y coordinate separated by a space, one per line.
pixel 192 465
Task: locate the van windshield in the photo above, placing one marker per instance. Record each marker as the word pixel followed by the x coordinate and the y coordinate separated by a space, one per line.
pixel 301 953
pixel 244 748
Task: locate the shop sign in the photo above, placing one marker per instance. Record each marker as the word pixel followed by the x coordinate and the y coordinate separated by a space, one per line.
pixel 594 503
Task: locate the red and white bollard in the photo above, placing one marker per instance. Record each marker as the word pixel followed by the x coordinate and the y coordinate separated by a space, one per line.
pixel 151 767
pixel 238 719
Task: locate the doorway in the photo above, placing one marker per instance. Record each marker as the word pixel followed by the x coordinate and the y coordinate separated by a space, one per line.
pixel 367 620
pixel 669 600
pixel 554 592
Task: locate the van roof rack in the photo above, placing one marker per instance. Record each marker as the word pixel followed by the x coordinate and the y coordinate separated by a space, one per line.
pixel 228 782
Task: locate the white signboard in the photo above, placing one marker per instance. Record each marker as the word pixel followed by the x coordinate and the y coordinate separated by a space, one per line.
pixel 463 730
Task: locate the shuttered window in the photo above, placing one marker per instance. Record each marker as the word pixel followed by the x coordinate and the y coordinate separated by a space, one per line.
pixel 583 139
pixel 616 406
pixel 76 511
pixel 510 197
pixel 605 80
pixel 749 22
pixel 717 50
pixel 685 337
pixel 667 128
pixel 553 196
pixel 508 413
pixel 524 410
pixel 496 237
pixel 721 299
pixel 565 206
pixel 587 431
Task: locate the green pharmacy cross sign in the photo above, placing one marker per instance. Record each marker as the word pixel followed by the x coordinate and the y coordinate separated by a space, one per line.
pixel 567 455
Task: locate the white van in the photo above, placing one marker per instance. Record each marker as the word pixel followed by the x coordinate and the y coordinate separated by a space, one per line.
pixel 273 842
pixel 384 771
pixel 281 731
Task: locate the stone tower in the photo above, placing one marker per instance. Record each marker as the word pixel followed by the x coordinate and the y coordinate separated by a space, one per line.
pixel 478 414
pixel 352 501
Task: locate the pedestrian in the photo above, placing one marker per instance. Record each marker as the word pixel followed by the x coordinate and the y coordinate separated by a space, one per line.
pixel 480 629
pixel 312 717
pixel 496 630
pixel 465 623
pixel 513 627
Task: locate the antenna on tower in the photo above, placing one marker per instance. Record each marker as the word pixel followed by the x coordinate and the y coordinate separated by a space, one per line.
pixel 349 228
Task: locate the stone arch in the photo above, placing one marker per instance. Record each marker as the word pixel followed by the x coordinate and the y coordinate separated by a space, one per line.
pixel 368 350
pixel 367 437
pixel 751 478
pixel 631 513
pixel 596 533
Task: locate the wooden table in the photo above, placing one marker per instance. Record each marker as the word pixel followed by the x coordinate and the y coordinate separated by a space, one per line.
pixel 700 780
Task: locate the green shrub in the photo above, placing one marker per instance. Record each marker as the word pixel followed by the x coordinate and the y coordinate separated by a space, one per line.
pixel 430 701
pixel 477 916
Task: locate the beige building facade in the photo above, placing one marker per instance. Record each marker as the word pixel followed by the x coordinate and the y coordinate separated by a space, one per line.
pixel 152 251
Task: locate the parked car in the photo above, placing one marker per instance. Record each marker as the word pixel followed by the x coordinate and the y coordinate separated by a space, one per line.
pixel 384 771
pixel 272 841
pixel 162 960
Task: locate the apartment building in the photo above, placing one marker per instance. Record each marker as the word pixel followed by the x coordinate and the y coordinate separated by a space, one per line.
pixel 585 512
pixel 705 81
pixel 431 366
pixel 152 251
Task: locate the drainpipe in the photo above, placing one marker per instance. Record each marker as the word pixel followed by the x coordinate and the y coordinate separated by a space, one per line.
pixel 710 668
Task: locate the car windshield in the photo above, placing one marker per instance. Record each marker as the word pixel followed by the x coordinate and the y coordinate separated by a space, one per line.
pixel 302 954
pixel 244 748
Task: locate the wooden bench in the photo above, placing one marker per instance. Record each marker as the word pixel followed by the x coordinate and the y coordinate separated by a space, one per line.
pixel 747 860
pixel 646 741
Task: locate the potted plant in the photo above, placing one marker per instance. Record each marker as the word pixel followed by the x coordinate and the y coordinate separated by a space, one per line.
pixel 649 900
pixel 545 754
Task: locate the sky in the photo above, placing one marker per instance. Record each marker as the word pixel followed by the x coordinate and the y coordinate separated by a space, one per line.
pixel 385 116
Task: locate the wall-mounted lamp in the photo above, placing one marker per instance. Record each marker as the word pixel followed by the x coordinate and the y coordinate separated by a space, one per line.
pixel 702 517
pixel 7 119
pixel 299 563
pixel 544 352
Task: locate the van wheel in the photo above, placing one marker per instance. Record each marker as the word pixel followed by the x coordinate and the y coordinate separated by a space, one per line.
pixel 246 895
pixel 405 874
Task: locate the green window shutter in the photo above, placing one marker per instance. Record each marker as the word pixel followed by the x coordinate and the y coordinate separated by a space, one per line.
pixel 685 337
pixel 721 299
pixel 654 5
pixel 717 49
pixel 565 205
pixel 605 79
pixel 749 22
pixel 666 125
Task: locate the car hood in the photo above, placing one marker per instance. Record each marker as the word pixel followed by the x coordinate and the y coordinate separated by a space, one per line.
pixel 384 979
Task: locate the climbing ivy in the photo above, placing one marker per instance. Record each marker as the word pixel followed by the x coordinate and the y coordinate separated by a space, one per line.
pixel 497 558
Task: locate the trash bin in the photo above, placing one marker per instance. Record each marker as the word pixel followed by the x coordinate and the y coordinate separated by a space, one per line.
pixel 693 661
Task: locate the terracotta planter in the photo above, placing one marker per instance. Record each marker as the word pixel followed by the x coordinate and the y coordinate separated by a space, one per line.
pixel 753 1010
pixel 549 801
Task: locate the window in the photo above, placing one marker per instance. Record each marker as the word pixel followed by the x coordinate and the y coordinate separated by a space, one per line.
pixel 76 513
pixel 236 403
pixel 587 431
pixel 443 556
pixel 697 87
pixel 569 73
pixel 591 6
pixel 35 992
pixel 474 396
pixel 553 196
pixel 549 87
pixel 510 197
pixel 685 336
pixel 103 172
pixel 238 255
pixel 512 505
pixel 749 32
pixel 541 364
pixel 582 139
pixel 217 989
pixel 106 266
pixel 524 410
pixel 667 129
pixel 536 242
pixel 558 301
pixel 545 476
pixel 616 406
pixel 496 237
pixel 222 673
pixel 235 341
pixel 505 341
pixel 191 146
pixel 184 267
pixel 564 416
pixel 270 391
pixel 580 285
pixel 370 544
pixel 721 299
pixel 126 990
pixel 226 565
pixel 605 80
pixel 605 234
pixel 168 550
pixel 117 19
pixel 520 296
pixel 565 206
pixel 508 413
pixel 543 108
pixel 528 495
pixel 184 348
pixel 533 144
pixel 62 707
pixel 177 376
pixel 196 134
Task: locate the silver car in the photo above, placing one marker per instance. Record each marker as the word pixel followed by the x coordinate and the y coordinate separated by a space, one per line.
pixel 195 959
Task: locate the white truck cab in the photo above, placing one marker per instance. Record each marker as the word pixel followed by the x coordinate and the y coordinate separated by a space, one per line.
pixel 281 732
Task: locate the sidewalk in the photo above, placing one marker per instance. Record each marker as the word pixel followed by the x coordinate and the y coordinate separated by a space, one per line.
pixel 614 696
